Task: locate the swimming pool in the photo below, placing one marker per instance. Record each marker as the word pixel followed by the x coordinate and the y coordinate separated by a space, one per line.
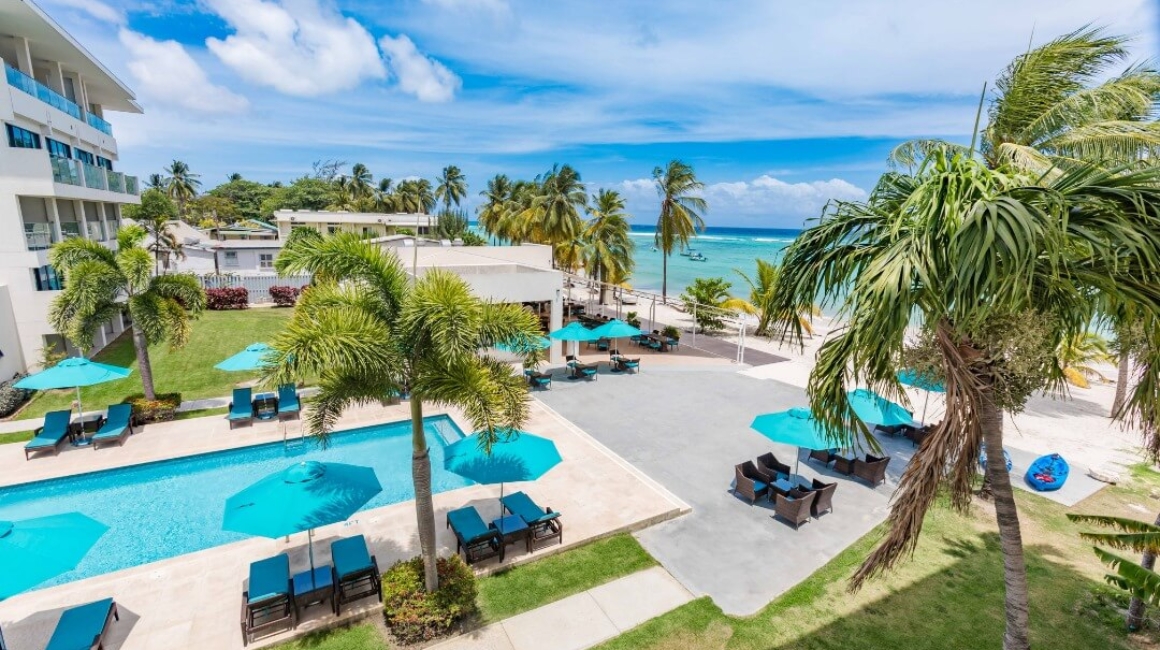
pixel 165 509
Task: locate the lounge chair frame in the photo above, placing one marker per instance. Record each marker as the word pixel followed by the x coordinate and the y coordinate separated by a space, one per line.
pixel 357 585
pixel 542 532
pixel 268 615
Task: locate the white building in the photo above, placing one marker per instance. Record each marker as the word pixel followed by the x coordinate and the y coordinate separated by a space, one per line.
pixel 365 224
pixel 58 159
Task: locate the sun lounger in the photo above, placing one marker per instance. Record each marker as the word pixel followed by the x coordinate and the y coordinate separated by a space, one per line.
pixel 769 468
pixel 84 627
pixel 824 501
pixel 872 470
pixel 356 571
pixel 544 523
pixel 794 508
pixel 50 436
pixel 118 425
pixel 242 408
pixel 749 483
pixel 289 408
pixel 476 539
pixel 268 605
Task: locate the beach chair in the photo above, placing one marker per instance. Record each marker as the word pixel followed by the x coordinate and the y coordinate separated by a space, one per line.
pixel 540 380
pixel 356 571
pixel 268 605
pixel 84 627
pixel 769 468
pixel 749 483
pixel 794 508
pixel 824 501
pixel 872 470
pixel 117 426
pixel 476 539
pixel 50 436
pixel 589 371
pixel 242 408
pixel 629 365
pixel 544 523
pixel 289 408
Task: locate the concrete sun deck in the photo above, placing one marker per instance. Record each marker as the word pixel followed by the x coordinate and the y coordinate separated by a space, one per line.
pixel 193 600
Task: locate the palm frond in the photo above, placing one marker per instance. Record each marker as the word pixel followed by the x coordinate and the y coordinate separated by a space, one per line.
pixel 1131 577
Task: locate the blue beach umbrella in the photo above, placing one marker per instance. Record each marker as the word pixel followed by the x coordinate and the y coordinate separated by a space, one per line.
pixel 521 457
pixel 35 550
pixel 912 377
pixel 616 329
pixel 73 372
pixel 252 358
pixel 797 427
pixel 575 332
pixel 872 407
pixel 301 498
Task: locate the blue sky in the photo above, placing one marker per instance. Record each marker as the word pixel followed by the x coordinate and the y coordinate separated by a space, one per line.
pixel 780 106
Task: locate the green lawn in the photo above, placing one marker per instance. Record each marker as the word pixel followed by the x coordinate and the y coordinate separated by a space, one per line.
pixel 189 370
pixel 19 436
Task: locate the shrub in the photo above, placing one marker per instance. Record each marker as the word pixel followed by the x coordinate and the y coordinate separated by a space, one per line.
pixel 671 332
pixel 12 397
pixel 162 409
pixel 227 298
pixel 284 296
pixel 415 615
pixel 705 298
pixel 632 319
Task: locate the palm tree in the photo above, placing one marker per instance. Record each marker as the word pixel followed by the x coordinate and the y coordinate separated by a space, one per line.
pixel 369 333
pixel 556 210
pixel 1076 355
pixel 163 243
pixel 681 210
pixel 234 177
pixel 1140 580
pixel 452 187
pixel 607 246
pixel 1001 265
pixel 384 197
pixel 181 185
pixel 762 288
pixel 497 198
pixel 343 195
pixel 518 222
pixel 155 182
pixel 101 283
pixel 1048 111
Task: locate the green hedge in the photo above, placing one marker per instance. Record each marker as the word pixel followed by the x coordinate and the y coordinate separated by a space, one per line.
pixel 415 615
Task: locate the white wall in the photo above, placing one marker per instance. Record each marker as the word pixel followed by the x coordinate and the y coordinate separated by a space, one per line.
pixel 13 360
pixel 248 259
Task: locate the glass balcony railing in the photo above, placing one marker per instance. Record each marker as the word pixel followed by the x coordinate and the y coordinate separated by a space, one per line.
pixel 116 181
pixel 94 176
pixel 131 185
pixel 38 236
pixel 95 232
pixel 70 229
pixel 98 123
pixel 18 79
pixel 64 171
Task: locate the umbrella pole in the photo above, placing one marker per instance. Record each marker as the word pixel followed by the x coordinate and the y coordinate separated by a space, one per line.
pixel 81 413
pixel 796 464
pixel 310 536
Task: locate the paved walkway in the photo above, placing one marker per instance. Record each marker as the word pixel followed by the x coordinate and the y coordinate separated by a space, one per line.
pixel 583 620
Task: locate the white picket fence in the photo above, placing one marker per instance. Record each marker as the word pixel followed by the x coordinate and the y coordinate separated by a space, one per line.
pixel 257 285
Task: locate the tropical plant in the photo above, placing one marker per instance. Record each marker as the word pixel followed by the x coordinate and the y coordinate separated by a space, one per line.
pixel 1001 267
pixel 154 214
pixel 556 210
pixel 414 196
pixel 608 248
pixel 497 201
pixel 360 183
pixel 1139 580
pixel 100 283
pixel 384 196
pixel 451 188
pixel 368 334
pixel 155 182
pixel 234 177
pixel 181 185
pixel 1077 354
pixel 681 209
pixel 762 288
pixel 707 300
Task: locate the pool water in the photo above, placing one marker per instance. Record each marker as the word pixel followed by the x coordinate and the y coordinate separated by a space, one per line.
pixel 165 509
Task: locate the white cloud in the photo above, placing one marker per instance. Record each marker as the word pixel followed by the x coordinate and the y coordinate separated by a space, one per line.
pixel 418 75
pixel 298 47
pixel 167 74
pixel 496 6
pixel 764 196
pixel 93 8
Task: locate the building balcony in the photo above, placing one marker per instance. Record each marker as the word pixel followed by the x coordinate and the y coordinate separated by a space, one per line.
pixel 82 174
pixel 99 124
pixel 38 236
pixel 21 81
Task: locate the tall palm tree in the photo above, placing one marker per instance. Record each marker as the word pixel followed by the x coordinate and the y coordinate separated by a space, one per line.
pixel 519 222
pixel 1140 580
pixel 496 202
pixel 557 208
pixel 234 177
pixel 608 247
pixel 342 195
pixel 368 333
pixel 1001 266
pixel 181 185
pixel 762 289
pixel 681 211
pixel 155 182
pixel 384 197
pixel 101 283
pixel 452 187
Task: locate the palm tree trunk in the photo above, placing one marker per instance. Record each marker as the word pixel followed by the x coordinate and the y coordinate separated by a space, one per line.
pixel 664 277
pixel 1135 618
pixel 1123 371
pixel 143 365
pixel 424 508
pixel 1010 539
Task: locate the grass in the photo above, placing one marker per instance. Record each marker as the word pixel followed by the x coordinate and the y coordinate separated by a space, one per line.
pixel 189 370
pixel 18 436
pixel 201 413
pixel 365 636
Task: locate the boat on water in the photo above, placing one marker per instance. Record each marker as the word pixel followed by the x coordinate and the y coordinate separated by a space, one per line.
pixel 689 252
pixel 697 257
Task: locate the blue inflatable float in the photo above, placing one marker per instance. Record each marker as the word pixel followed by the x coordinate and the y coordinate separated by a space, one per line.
pixel 983 460
pixel 1048 473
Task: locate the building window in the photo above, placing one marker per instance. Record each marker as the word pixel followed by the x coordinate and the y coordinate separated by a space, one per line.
pixel 110 329
pixel 367 232
pixel 126 320
pixel 85 156
pixel 231 259
pixel 22 138
pixel 265 260
pixel 104 162
pixel 332 228
pixel 47 279
pixel 58 149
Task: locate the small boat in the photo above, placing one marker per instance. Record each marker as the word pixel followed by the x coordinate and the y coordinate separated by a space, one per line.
pixel 689 252
pixel 654 249
pixel 1047 473
pixel 697 257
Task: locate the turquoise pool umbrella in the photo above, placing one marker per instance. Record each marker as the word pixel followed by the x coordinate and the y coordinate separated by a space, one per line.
pixel 73 372
pixel 35 550
pixel 796 426
pixel 252 358
pixel 522 457
pixel 521 347
pixel 616 329
pixel 575 332
pixel 872 407
pixel 912 377
pixel 301 498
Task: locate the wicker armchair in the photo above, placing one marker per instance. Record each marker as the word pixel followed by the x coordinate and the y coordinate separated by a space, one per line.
pixel 823 456
pixel 918 434
pixel 824 501
pixel 872 470
pixel 795 508
pixel 748 483
pixel 769 467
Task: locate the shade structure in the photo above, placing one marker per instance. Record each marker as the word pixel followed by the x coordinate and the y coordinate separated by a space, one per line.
pixel 872 407
pixel 35 550
pixel 74 372
pixel 252 358
pixel 574 331
pixel 912 377
pixel 796 426
pixel 616 329
pixel 301 498
pixel 520 457
pixel 523 347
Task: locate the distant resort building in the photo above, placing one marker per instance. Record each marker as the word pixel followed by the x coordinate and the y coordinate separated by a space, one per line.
pixel 58 176
pixel 365 224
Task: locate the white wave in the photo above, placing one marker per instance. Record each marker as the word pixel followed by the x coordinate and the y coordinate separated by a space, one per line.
pixel 775 240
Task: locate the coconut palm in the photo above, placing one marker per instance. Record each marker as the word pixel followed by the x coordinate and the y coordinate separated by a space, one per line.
pixel 608 247
pixel 1001 266
pixel 181 185
pixel 496 202
pixel 1077 354
pixel 1061 103
pixel 762 288
pixel 101 283
pixel 155 182
pixel 360 182
pixel 384 196
pixel 1140 580
pixel 557 208
pixel 368 333
pixel 452 187
pixel 681 211
pixel 234 177
pixel 415 196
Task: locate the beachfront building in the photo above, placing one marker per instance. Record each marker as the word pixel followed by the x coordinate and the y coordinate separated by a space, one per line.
pixel 365 224
pixel 58 172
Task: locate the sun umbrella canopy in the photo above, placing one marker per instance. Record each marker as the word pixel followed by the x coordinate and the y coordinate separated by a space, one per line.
pixel 73 372
pixel 911 377
pixel 35 550
pixel 299 498
pixel 796 426
pixel 523 457
pixel 252 358
pixel 616 329
pixel 574 331
pixel 520 347
pixel 872 407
